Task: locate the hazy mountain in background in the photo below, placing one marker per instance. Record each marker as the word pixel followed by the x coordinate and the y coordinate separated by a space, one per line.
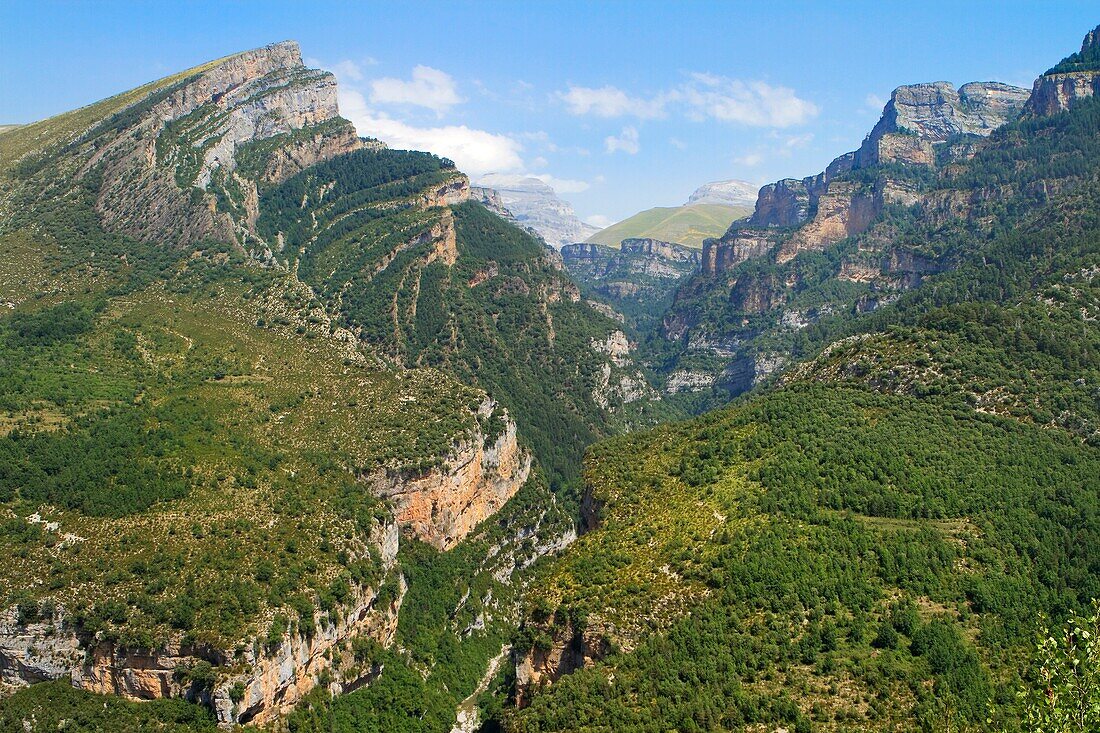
pixel 727 193
pixel 536 204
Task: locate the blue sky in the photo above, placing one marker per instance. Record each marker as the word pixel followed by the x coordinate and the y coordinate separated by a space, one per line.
pixel 620 105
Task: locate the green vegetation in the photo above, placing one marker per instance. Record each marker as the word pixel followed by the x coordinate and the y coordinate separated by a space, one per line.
pixel 1087 59
pixel 791 548
pixel 499 317
pixel 686 225
pixel 57 706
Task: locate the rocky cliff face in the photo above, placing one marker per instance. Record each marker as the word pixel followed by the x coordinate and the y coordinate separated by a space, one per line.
pixel 638 279
pixel 831 206
pixel 569 650
pixel 265 680
pixel 922 127
pixel 184 162
pixel 1075 78
pixel 443 505
pixel 536 205
pixel 932 113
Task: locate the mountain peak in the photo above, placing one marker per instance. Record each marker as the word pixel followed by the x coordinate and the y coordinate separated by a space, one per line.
pixel 727 193
pixel 535 204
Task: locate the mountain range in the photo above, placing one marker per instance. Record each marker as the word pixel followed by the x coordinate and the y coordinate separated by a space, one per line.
pixel 299 432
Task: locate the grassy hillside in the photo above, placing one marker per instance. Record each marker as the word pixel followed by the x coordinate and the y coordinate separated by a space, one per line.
pixel 687 225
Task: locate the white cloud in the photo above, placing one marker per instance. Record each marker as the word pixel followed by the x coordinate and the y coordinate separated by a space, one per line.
pixel 754 103
pixel 599 220
pixel 610 101
pixel 346 70
pixel 677 143
pixel 874 102
pixel 428 87
pixel 475 152
pixel 627 142
pixel 703 96
pixel 798 141
pixel 749 159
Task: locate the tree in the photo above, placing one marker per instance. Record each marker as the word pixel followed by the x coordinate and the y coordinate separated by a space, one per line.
pixel 1065 694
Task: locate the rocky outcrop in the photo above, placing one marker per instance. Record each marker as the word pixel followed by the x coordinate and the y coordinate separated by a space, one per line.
pixel 443 504
pixel 918 115
pixel 491 200
pixel 168 167
pixel 831 206
pixel 663 250
pixel 265 680
pixel 784 203
pixel 1074 79
pixel 583 253
pixel 847 208
pixel 36 650
pixel 557 652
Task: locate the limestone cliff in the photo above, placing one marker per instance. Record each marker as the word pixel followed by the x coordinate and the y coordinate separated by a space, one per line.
pixel 444 504
pixel 831 206
pixel 1075 78
pixel 258 680
pixel 919 115
pixel 559 651
pixel 183 161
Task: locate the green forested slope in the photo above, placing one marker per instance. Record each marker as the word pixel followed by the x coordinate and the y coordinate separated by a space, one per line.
pixel 870 543
pixel 500 317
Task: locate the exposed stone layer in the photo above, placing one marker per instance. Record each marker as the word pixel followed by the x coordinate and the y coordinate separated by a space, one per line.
pixel 186 138
pixel 271 681
pixel 443 505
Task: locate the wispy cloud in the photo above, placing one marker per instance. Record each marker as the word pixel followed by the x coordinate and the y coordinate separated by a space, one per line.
pixel 599 220
pixel 874 102
pixel 428 87
pixel 702 96
pixel 626 142
pixel 753 103
pixel 609 101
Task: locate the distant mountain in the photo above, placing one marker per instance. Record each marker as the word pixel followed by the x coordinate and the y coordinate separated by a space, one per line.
pixel 687 225
pixel 535 204
pixel 726 193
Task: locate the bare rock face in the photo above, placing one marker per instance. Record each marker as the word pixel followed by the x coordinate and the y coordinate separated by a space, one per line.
pixel 183 163
pixel 444 504
pixel 536 205
pixel 36 651
pixel 936 111
pixel 845 210
pixel 569 650
pixel 1075 78
pixel 784 203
